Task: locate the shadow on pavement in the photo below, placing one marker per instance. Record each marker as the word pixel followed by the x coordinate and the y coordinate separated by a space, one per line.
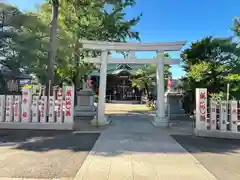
pixel 43 154
pixel 41 141
pixel 221 157
pixel 49 140
pixel 213 145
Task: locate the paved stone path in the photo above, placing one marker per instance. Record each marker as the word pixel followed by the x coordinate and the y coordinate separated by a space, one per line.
pixel 132 149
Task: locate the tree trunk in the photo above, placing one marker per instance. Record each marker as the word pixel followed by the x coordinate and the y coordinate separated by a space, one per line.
pixel 147 90
pixel 148 94
pixel 76 63
pixel 52 46
pixel 75 91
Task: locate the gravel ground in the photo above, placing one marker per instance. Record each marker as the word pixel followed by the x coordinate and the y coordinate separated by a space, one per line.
pixel 220 156
pixel 125 108
pixel 46 156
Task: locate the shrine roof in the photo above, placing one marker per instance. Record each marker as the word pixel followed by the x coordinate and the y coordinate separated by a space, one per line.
pixel 117 68
pixel 7 72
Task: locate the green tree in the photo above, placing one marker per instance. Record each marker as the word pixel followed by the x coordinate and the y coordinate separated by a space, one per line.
pixel 146 77
pixel 236 26
pixel 25 39
pixel 20 44
pixel 86 20
pixel 211 63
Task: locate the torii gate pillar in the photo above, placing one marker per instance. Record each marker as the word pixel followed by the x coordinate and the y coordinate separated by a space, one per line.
pixel 100 118
pixel 160 119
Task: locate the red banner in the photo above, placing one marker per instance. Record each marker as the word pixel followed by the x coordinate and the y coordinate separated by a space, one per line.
pixel 169 83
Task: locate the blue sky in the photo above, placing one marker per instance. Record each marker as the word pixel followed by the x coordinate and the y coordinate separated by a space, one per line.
pixel 174 20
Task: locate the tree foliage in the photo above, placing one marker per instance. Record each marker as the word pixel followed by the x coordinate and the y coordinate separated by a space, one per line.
pixel 236 26
pixel 25 36
pixel 16 38
pixel 146 77
pixel 87 20
pixel 22 43
pixel 212 63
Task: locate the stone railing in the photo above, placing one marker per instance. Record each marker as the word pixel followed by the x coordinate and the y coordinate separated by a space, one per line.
pixel 218 119
pixel 28 111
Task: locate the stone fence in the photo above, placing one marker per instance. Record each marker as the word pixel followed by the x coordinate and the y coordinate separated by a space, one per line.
pixel 28 111
pixel 220 119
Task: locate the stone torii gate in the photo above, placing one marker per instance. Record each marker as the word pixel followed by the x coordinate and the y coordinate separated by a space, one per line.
pixel 160 60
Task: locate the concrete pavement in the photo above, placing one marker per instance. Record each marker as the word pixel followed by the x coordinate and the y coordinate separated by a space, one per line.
pixel 132 148
pixel 26 154
pixel 219 156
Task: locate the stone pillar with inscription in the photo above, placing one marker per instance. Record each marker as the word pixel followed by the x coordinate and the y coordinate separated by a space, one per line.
pixel 223 115
pixel 213 114
pixel 2 107
pixel 201 108
pixel 69 105
pixel 9 108
pixel 17 108
pixel 59 114
pixel 26 104
pixel 234 116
